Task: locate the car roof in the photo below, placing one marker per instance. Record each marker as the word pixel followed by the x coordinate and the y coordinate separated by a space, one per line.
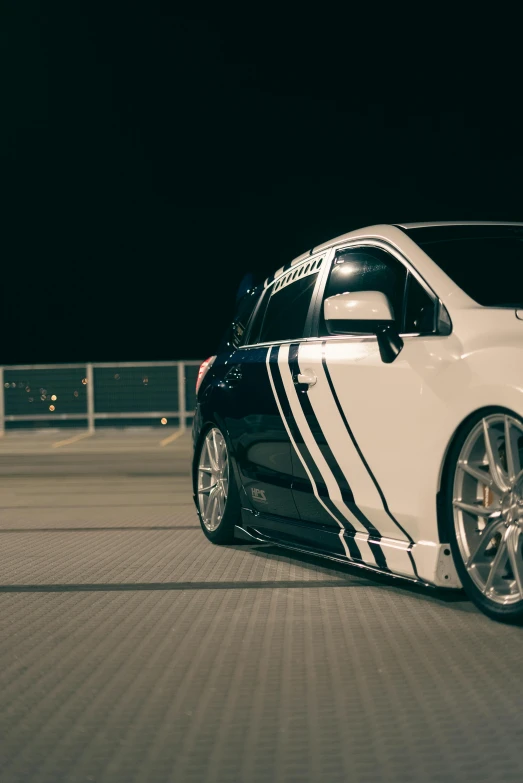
pixel 458 223
pixel 356 233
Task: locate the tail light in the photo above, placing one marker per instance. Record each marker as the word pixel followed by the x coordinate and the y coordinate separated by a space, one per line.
pixel 204 366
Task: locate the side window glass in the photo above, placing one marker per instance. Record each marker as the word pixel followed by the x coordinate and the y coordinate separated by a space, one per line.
pixel 241 319
pixel 253 331
pixel 420 308
pixel 236 332
pixel 367 269
pixel 288 305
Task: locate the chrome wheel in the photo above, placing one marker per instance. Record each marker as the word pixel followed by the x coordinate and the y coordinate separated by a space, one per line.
pixel 488 507
pixel 213 479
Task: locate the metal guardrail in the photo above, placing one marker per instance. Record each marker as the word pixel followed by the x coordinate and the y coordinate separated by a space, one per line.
pixel 163 392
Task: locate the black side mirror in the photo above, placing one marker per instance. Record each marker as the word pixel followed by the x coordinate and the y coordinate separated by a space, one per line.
pixel 389 341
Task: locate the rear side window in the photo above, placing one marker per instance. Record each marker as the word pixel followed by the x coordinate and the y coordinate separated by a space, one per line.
pixel 237 331
pixel 288 305
pixel 257 319
pixel 241 319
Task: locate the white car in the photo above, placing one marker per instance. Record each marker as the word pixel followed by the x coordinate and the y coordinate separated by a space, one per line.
pixel 367 405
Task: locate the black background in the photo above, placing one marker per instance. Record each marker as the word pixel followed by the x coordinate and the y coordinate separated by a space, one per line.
pixel 152 155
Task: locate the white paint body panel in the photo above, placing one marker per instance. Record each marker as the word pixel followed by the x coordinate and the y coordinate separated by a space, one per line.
pixel 404 415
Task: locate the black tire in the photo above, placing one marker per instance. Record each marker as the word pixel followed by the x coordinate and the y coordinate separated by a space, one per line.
pixel 224 532
pixel 511 613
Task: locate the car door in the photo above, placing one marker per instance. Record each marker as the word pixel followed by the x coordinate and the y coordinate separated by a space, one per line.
pixel 258 410
pixel 345 408
pixel 246 404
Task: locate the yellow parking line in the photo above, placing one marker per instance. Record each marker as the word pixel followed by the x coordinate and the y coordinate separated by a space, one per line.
pixel 172 437
pixel 81 436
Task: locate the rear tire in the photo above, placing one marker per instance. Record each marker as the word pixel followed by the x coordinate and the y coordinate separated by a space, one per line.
pixel 217 498
pixel 483 511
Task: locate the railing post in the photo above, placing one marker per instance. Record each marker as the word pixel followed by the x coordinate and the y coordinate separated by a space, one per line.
pixel 90 398
pixel 181 395
pixel 2 402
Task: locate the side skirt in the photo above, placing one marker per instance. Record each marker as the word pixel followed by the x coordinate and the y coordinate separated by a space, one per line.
pixel 435 566
pixel 255 537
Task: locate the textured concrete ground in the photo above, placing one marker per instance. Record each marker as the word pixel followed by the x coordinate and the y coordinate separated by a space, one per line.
pixel 132 650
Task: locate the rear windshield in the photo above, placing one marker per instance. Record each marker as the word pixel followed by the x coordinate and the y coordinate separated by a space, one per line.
pixel 485 261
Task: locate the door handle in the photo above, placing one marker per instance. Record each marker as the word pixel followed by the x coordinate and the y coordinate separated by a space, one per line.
pixel 306 378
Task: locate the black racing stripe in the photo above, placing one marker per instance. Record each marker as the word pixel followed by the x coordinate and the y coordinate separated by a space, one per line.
pixel 411 558
pixel 356 446
pixel 377 551
pixel 315 473
pixel 287 412
pixel 298 439
pixel 329 457
pixel 353 548
pixel 360 516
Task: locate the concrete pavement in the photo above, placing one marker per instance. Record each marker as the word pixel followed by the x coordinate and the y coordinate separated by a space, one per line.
pixel 132 649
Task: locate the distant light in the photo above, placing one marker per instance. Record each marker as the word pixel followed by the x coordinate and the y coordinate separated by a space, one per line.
pixel 116 377
pixel 54 397
pixel 75 393
pixel 43 391
pixel 163 421
pixel 30 399
pixel 146 381
pixel 51 407
pixel 13 385
pixel 7 385
pixel 43 397
pixel 28 388
pixel 84 381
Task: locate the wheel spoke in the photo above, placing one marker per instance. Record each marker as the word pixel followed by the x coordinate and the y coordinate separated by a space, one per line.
pixel 212 521
pixel 208 490
pixel 482 476
pixel 516 558
pixel 221 501
pixel 204 503
pixel 221 451
pixel 216 451
pixel 212 459
pixel 496 470
pixel 498 562
pixel 212 506
pixel 511 449
pixel 484 540
pixel 210 453
pixel 476 510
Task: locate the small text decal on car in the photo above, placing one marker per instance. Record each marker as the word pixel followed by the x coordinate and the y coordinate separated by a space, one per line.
pixel 258 494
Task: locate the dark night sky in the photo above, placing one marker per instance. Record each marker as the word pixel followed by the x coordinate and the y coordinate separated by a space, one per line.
pixel 151 156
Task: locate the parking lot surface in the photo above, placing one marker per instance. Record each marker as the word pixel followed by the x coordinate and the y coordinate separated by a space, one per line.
pixel 132 649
